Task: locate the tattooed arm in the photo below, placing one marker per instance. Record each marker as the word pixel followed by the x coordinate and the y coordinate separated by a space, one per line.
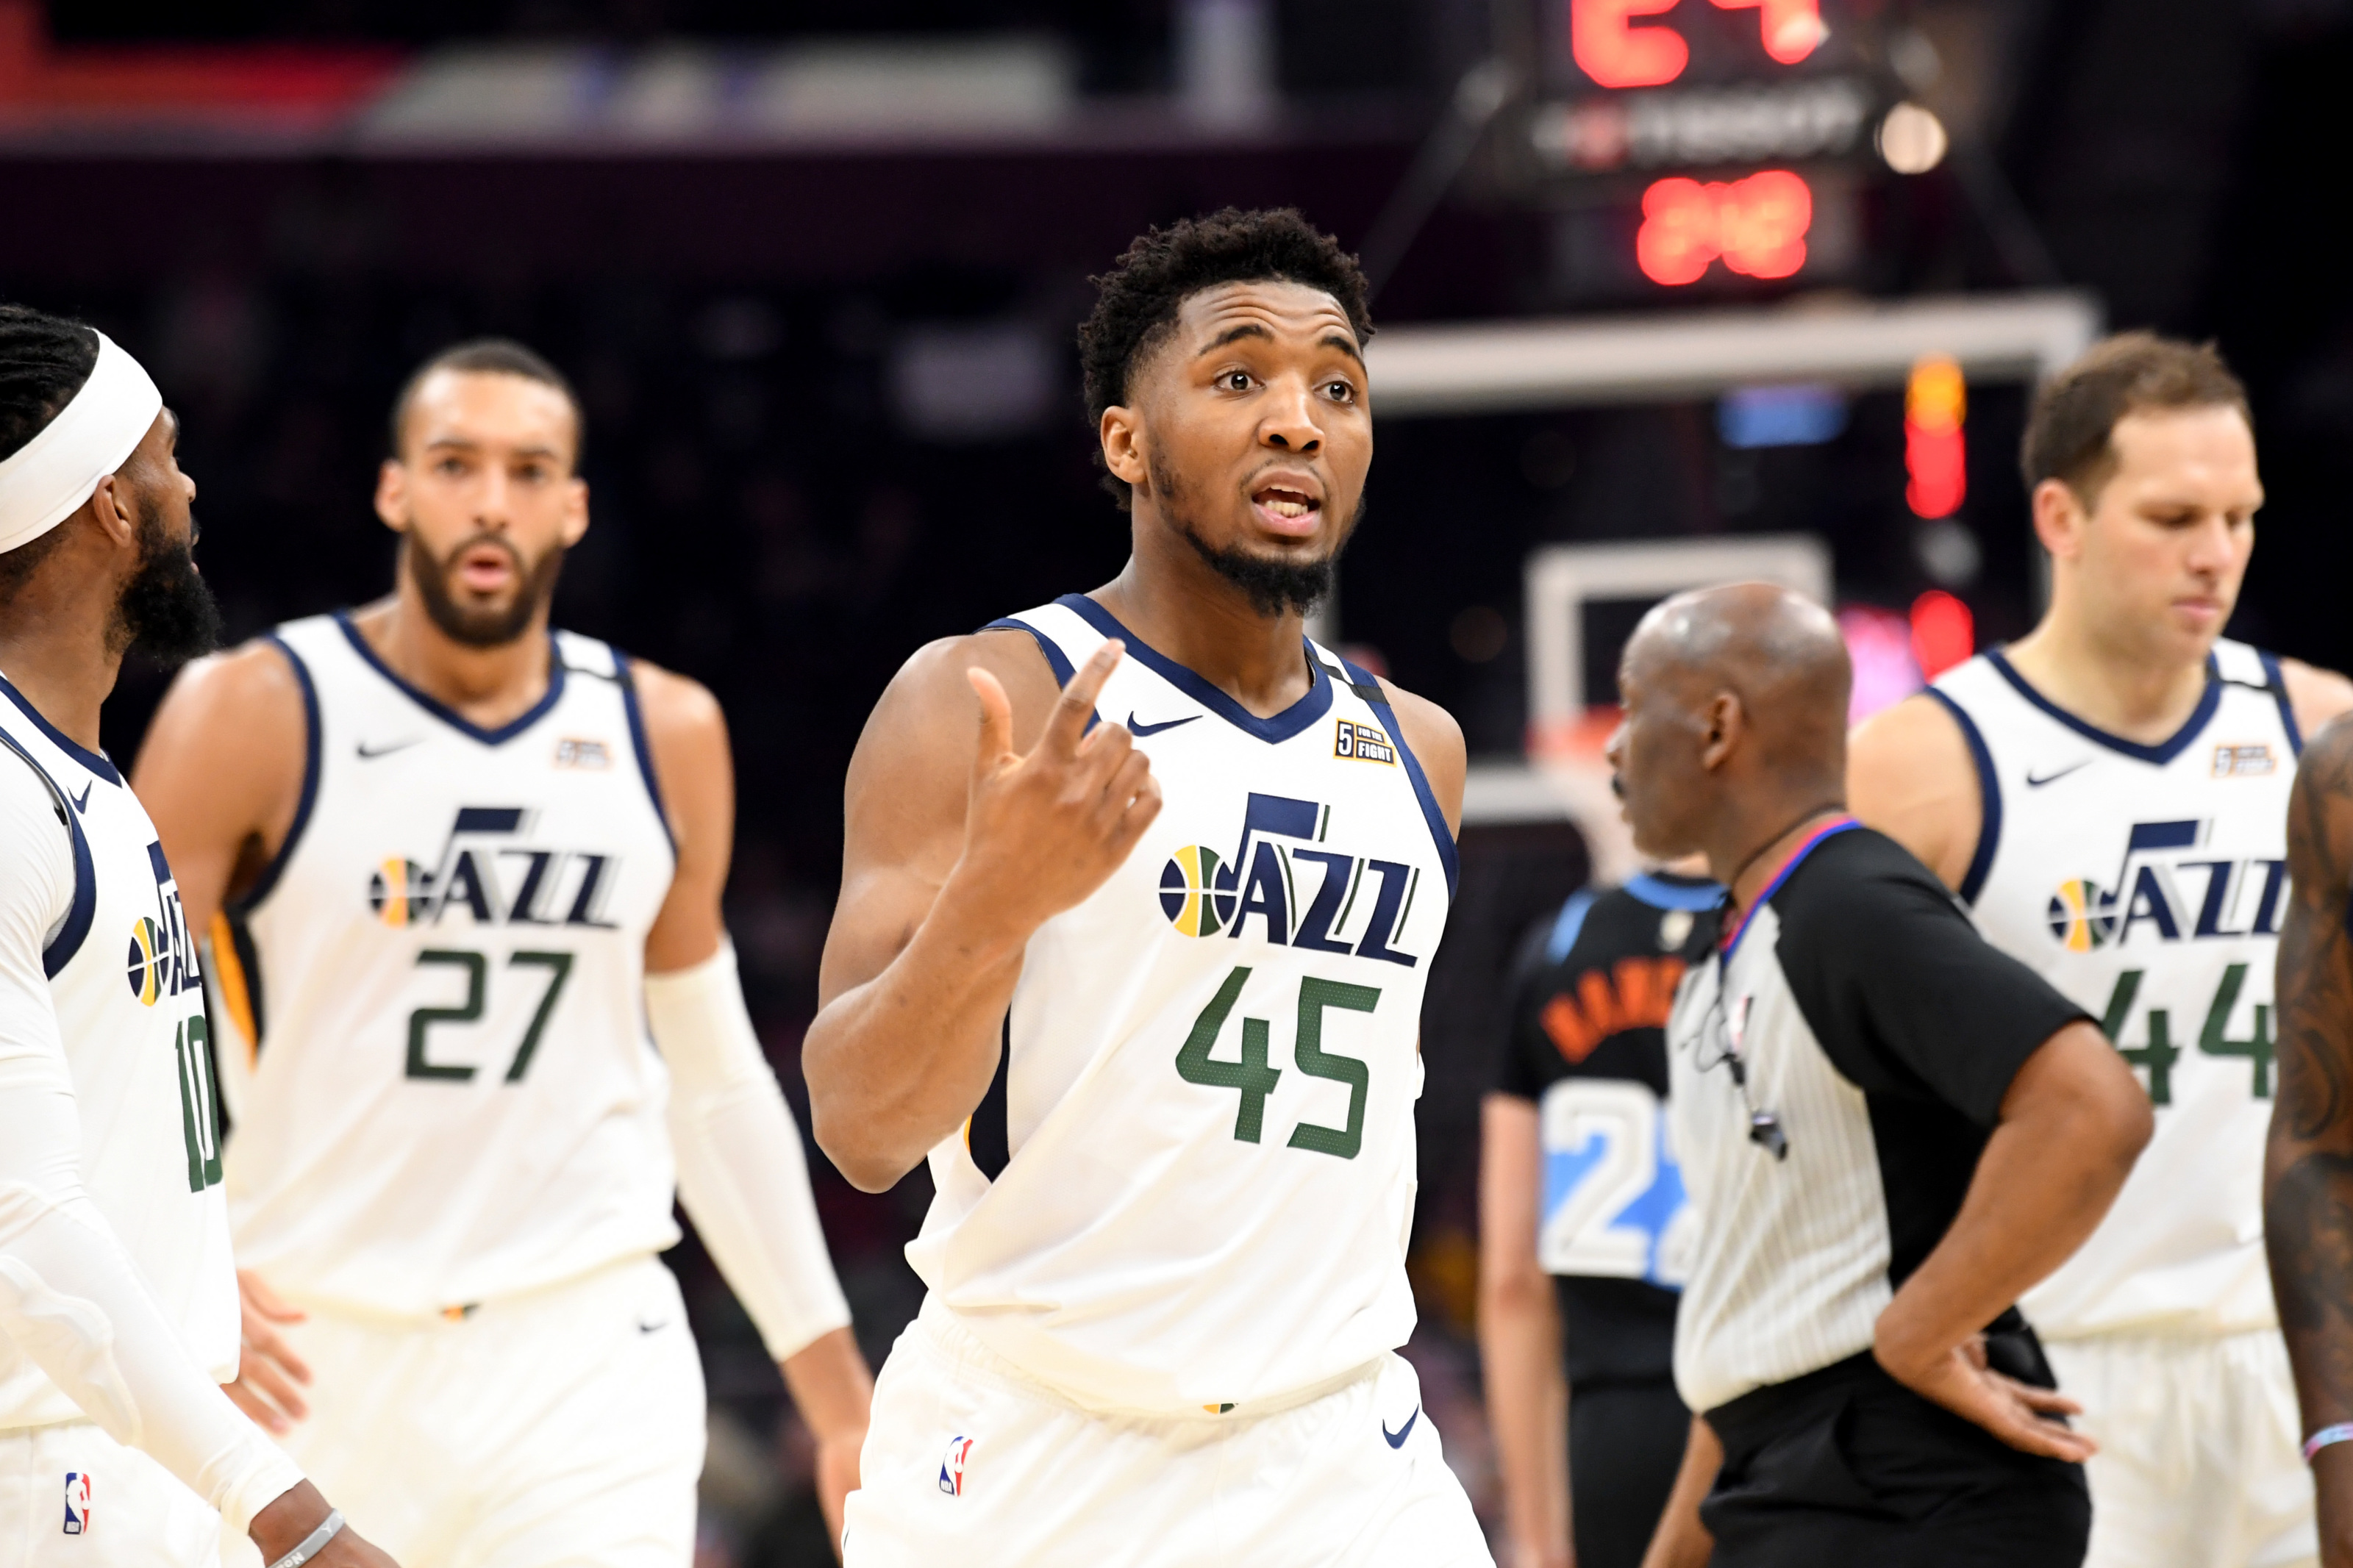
pixel 2308 1167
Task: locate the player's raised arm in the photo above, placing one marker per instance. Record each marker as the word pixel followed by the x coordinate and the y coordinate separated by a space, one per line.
pixel 958 848
pixel 2309 1164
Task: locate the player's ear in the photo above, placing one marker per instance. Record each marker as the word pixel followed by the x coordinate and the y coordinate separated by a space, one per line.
pixel 2059 519
pixel 392 494
pixel 1123 446
pixel 575 510
pixel 117 514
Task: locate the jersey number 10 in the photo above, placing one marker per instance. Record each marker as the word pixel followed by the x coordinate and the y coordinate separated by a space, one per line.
pixel 199 1102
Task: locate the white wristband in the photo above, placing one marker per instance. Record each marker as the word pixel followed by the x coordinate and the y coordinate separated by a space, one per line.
pixel 314 1542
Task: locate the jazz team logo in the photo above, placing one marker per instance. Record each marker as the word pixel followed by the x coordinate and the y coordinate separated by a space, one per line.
pixel 151 962
pixel 2082 916
pixel 160 961
pixel 952 1467
pixel 2174 886
pixel 77 1502
pixel 489 868
pixel 1303 893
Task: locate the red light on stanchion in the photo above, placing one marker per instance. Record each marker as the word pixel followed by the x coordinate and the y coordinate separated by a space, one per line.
pixel 1758 226
pixel 1943 633
pixel 1792 27
pixel 1936 459
pixel 1616 53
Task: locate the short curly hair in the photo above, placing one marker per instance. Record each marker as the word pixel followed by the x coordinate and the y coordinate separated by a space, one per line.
pixel 1137 301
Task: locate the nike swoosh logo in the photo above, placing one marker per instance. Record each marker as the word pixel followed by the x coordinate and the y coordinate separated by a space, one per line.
pixel 369 755
pixel 2033 782
pixel 657 1327
pixel 81 802
pixel 1135 729
pixel 1397 1438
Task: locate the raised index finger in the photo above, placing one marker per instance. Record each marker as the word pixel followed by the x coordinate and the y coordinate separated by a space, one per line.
pixel 1068 723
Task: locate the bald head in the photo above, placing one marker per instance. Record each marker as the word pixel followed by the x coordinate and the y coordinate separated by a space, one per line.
pixel 1736 707
pixel 1779 651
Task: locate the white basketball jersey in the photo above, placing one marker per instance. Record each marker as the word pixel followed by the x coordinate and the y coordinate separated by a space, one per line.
pixel 130 1008
pixel 1191 1186
pixel 2147 883
pixel 440 1084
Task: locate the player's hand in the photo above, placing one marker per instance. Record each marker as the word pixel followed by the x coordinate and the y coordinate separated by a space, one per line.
pixel 1043 831
pixel 1962 1382
pixel 286 1523
pixel 269 1377
pixel 836 1478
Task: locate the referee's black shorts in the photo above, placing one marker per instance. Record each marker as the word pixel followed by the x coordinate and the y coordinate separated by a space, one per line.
pixel 1847 1466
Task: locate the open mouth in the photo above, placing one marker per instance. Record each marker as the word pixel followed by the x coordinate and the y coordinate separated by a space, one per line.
pixel 1284 510
pixel 487 569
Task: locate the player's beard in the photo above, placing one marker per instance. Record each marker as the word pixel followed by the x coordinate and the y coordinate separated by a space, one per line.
pixel 1272 583
pixel 484 626
pixel 166 610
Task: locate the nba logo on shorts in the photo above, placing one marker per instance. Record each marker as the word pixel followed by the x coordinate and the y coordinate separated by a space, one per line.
pixel 952 1467
pixel 77 1502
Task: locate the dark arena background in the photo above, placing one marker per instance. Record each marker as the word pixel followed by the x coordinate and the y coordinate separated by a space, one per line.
pixel 816 269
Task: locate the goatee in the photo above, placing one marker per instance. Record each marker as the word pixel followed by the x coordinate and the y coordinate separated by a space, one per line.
pixel 1272 583
pixel 486 626
pixel 166 611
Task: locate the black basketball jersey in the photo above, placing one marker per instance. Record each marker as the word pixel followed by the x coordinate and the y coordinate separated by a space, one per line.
pixel 1591 993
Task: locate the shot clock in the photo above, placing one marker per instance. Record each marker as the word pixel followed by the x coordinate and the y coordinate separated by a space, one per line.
pixel 1697 145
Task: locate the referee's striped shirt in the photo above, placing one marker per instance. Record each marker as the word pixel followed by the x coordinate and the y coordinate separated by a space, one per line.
pixel 1878 1032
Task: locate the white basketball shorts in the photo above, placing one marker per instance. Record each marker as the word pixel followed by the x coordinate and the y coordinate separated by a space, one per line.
pixel 564 1426
pixel 969 1461
pixel 72 1497
pixel 2201 1461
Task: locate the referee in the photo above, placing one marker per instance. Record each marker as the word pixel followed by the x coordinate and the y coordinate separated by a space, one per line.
pixel 1888 1129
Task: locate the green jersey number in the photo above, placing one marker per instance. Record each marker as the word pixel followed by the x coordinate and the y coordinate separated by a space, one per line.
pixel 2157 1058
pixel 1253 1080
pixel 199 1102
pixel 476 967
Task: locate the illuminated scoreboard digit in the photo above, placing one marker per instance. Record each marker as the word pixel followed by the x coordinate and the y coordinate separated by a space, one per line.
pixel 1698 139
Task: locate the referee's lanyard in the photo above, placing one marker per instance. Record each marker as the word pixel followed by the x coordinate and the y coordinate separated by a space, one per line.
pixel 1765 1129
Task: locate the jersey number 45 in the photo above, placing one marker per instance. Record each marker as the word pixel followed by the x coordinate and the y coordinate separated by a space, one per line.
pixel 1253 1080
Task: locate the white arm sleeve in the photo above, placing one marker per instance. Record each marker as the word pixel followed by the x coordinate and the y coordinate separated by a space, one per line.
pixel 741 1171
pixel 70 1297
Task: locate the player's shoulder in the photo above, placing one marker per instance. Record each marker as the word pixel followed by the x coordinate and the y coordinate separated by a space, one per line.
pixel 1429 727
pixel 2318 697
pixel 36 843
pixel 671 702
pixel 932 686
pixel 1917 735
pixel 2326 768
pixel 253 682
pixel 1436 741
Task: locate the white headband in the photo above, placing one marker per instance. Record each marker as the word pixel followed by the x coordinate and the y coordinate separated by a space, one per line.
pixel 46 482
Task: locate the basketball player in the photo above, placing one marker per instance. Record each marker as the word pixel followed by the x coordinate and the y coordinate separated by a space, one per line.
pixel 2109 796
pixel 1137 966
pixel 117 1304
pixel 461 864
pixel 2308 1173
pixel 1582 1223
